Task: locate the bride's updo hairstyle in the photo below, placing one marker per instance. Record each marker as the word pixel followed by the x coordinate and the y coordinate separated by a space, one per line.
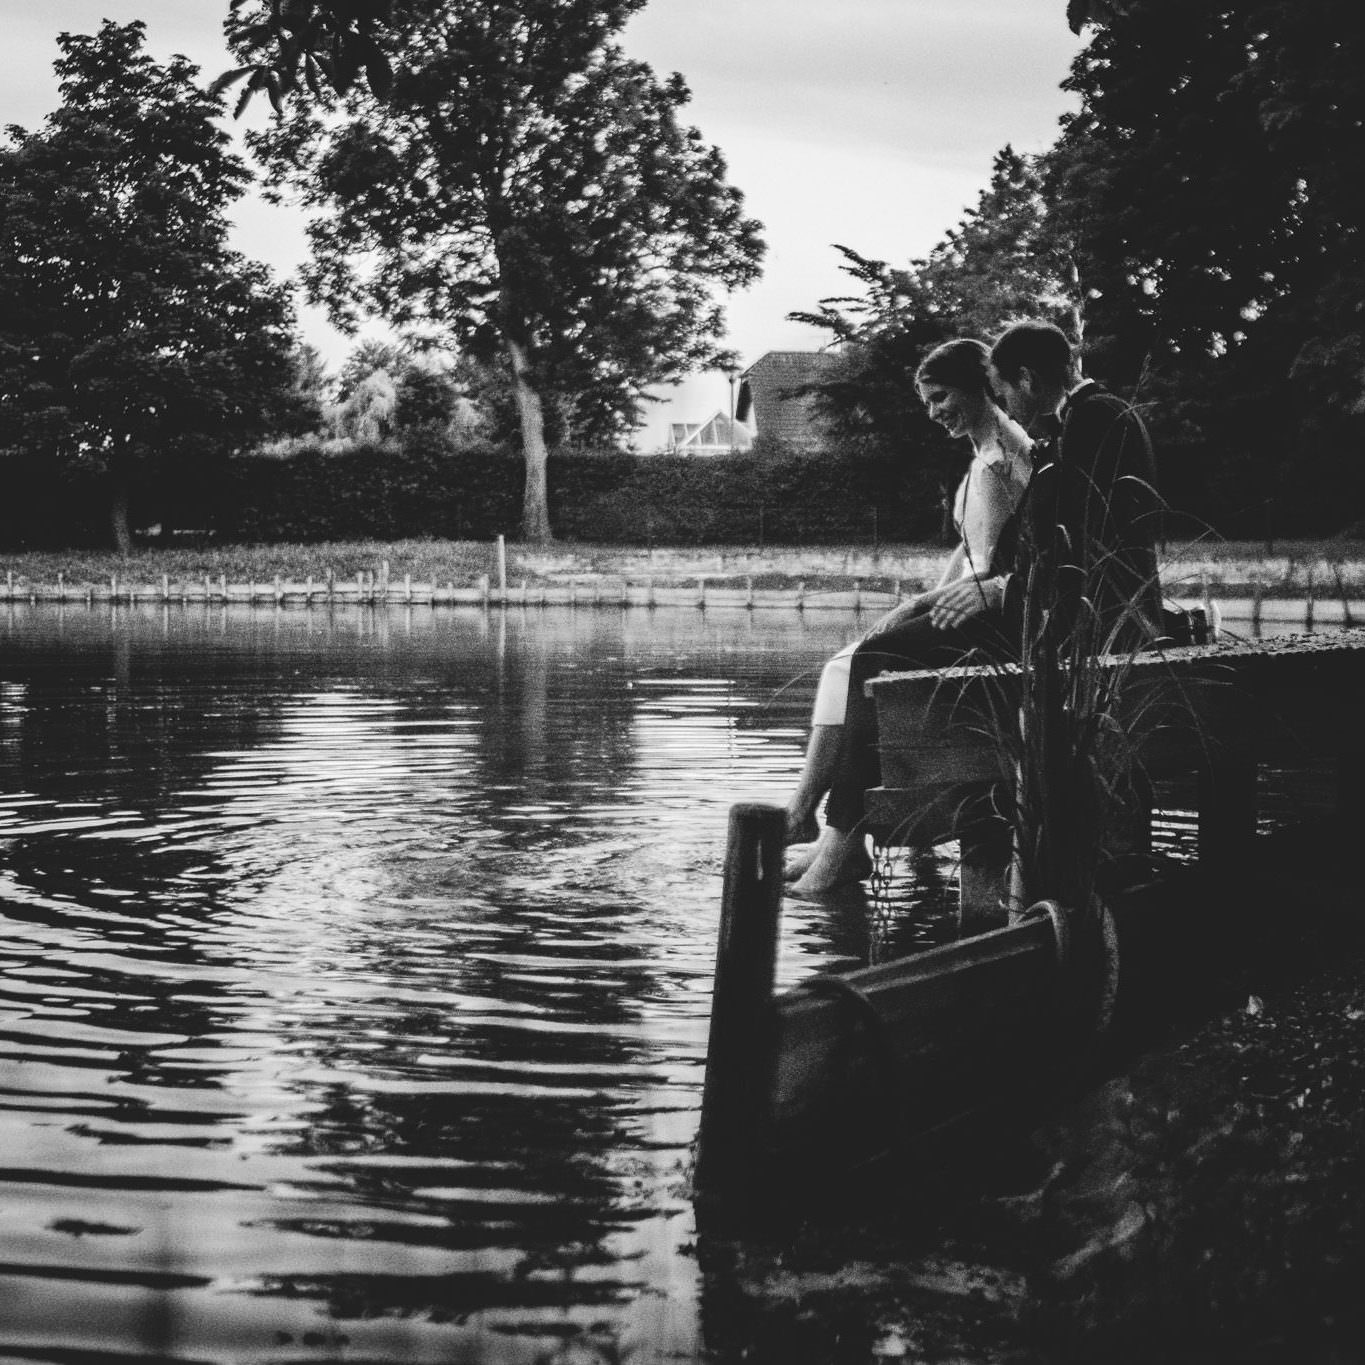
pixel 962 364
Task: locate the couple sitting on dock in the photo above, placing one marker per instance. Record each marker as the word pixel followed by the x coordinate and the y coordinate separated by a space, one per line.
pixel 1057 517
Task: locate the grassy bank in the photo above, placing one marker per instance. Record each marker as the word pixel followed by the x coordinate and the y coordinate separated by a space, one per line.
pixel 1328 567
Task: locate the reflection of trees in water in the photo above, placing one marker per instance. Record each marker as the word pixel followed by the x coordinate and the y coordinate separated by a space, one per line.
pixel 513 1122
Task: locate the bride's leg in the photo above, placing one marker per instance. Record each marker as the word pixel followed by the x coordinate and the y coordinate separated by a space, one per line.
pixel 822 749
pixel 817 772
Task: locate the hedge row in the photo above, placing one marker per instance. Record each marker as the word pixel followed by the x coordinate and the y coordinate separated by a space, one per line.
pixel 427 489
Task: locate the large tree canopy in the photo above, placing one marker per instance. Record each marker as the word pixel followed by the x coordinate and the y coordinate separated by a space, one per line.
pixel 1207 183
pixel 129 333
pixel 525 190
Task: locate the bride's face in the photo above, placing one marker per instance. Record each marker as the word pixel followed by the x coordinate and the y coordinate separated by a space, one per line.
pixel 953 409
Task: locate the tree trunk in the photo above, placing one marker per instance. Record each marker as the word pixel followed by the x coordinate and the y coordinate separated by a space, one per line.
pixel 118 514
pixel 535 504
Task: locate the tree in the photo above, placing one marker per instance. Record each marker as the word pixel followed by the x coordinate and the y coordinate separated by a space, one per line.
pixel 131 337
pixel 530 192
pixel 1005 261
pixel 368 358
pixel 866 397
pixel 1208 183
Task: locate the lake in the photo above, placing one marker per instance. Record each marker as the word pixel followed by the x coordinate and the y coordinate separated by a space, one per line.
pixel 355 970
pixel 355 974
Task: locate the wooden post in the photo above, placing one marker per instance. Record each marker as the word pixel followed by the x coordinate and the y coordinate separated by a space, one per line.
pixel 701 593
pixel 484 589
pixel 800 597
pixel 113 587
pixel 749 591
pixel 61 586
pixel 222 587
pixel 165 587
pixel 734 1111
pixel 502 569
pixel 279 591
pixel 308 592
pixel 857 595
pixel 383 580
pixel 407 588
pixel 1257 593
pixel 986 848
pixel 1227 802
pixel 1308 605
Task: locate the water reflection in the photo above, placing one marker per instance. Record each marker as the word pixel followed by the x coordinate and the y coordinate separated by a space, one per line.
pixel 356 968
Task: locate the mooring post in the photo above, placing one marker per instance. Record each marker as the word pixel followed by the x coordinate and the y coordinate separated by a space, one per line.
pixel 502 570
pixel 735 1118
pixel 1227 788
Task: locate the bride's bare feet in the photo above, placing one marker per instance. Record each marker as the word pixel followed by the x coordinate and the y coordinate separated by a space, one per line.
pixel 840 860
pixel 797 859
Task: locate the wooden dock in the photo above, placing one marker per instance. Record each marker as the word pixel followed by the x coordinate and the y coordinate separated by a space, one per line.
pixel 909 1055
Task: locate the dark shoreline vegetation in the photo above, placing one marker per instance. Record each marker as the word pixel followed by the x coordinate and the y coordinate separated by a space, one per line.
pixel 1290 569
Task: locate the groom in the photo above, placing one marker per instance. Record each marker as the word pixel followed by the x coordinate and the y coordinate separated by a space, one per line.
pixel 1084 572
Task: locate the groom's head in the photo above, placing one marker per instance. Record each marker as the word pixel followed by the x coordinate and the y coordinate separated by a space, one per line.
pixel 1032 368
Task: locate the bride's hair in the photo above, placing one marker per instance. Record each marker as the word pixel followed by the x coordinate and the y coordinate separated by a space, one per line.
pixel 962 364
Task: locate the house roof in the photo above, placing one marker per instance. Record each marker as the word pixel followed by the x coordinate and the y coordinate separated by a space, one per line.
pixel 716 433
pixel 767 388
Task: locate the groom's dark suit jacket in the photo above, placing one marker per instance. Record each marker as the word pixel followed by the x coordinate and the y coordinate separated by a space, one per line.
pixel 1085 565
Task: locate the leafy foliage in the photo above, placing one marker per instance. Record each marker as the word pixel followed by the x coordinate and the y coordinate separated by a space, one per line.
pixel 313 41
pixel 130 335
pixel 1207 185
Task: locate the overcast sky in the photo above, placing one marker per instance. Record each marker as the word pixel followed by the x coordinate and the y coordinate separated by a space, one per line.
pixel 866 122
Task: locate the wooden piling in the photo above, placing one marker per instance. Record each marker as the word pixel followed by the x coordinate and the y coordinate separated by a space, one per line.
pixel 735 1118
pixel 1308 604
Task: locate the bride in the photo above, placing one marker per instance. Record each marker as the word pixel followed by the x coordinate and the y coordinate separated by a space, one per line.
pixel 953 382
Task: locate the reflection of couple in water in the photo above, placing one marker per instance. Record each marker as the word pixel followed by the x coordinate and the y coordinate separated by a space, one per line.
pixel 1056 516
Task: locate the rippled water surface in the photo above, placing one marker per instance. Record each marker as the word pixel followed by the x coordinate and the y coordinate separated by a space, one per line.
pixel 355 972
